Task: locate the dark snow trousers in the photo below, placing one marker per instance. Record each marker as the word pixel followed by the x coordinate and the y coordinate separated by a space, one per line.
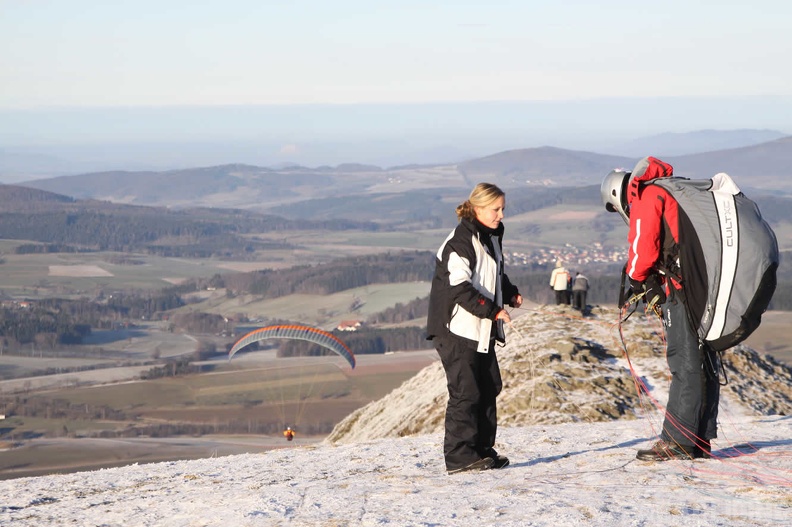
pixel 579 300
pixel 562 297
pixel 474 382
pixel 692 410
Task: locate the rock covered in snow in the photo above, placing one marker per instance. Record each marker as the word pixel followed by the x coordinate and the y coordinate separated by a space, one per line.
pixel 561 367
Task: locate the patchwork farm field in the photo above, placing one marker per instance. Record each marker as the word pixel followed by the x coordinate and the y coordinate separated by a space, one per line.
pixel 324 311
pixel 256 393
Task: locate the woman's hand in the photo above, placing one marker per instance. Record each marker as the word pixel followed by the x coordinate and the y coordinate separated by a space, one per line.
pixel 503 315
pixel 516 300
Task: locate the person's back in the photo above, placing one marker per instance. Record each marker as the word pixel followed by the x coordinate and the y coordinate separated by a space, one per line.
pixel 559 282
pixel 579 288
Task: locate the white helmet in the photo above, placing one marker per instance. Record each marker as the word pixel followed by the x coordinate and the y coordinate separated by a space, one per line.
pixel 614 193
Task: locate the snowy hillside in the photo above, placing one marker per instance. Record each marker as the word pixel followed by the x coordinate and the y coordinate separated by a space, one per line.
pixel 572 462
pixel 569 474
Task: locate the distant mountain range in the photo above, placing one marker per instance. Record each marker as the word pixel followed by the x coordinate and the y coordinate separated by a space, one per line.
pixel 762 168
pixel 678 144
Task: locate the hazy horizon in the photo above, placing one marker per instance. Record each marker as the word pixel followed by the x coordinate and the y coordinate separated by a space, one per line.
pixel 44 142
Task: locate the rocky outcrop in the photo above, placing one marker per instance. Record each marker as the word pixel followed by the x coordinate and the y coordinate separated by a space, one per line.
pixel 559 367
pixel 759 382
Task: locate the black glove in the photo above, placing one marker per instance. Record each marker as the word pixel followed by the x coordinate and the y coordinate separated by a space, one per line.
pixel 652 287
pixel 655 293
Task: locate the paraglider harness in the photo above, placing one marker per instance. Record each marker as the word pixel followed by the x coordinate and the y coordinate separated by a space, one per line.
pixel 628 297
pixel 288 434
pixel 628 302
pixel 729 258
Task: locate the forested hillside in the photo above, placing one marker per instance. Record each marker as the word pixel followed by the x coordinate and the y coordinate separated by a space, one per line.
pixel 50 323
pixel 339 275
pixel 74 226
pixel 29 214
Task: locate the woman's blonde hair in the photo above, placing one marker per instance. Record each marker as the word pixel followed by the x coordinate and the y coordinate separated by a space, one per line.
pixel 482 195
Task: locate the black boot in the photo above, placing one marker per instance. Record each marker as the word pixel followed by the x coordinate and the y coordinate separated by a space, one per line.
pixel 703 450
pixel 498 461
pixel 481 464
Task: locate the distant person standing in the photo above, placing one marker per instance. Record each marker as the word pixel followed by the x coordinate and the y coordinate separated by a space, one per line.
pixel 580 289
pixel 559 281
pixel 466 317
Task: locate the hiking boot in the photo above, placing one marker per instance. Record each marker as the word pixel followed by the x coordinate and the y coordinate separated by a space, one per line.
pixel 703 450
pixel 481 464
pixel 666 450
pixel 500 461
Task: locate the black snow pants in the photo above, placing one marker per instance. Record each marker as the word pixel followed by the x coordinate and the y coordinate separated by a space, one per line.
pixel 474 382
pixel 692 410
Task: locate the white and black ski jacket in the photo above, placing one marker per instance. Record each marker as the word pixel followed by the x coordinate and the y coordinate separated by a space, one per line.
pixel 464 298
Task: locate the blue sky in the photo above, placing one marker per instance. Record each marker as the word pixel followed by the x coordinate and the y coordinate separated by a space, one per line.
pixel 171 83
pixel 241 52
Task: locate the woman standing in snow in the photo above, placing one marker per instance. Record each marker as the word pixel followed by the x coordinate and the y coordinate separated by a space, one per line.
pixel 465 320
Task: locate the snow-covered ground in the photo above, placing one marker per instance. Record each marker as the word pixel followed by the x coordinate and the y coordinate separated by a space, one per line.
pixel 565 474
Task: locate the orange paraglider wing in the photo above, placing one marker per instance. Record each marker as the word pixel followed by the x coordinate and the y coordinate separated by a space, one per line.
pixel 298 332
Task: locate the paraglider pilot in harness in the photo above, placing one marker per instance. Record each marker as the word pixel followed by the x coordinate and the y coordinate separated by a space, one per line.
pixel 295 332
pixel 288 433
pixel 652 215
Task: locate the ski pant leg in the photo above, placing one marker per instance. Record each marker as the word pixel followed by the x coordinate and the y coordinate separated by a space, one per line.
pixel 465 409
pixel 687 390
pixel 580 300
pixel 490 385
pixel 708 428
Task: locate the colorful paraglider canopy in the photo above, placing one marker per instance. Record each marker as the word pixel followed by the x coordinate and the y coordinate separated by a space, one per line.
pixel 298 332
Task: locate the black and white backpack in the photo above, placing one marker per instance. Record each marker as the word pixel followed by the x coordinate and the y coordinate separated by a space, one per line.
pixel 726 258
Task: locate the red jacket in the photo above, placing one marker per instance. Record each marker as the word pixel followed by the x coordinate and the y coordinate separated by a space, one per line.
pixel 654 226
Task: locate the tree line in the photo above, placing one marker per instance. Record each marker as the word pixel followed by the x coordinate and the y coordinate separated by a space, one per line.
pixel 363 341
pixel 68 225
pixel 323 279
pixel 52 322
